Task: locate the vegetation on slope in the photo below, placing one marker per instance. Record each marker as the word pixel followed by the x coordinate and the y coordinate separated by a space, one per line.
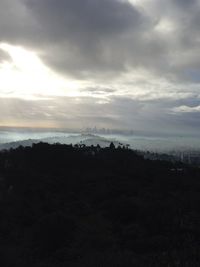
pixel 86 206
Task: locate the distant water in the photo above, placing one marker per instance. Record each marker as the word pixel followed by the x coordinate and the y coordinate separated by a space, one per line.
pixel 151 143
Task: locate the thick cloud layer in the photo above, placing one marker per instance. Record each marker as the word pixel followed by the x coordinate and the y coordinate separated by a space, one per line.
pixel 142 53
pixel 87 36
pixel 101 36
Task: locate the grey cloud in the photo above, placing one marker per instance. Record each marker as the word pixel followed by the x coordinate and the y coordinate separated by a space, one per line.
pixel 17 26
pixel 76 17
pixel 185 3
pixel 81 35
pixel 99 90
pixel 99 40
pixel 78 111
pixel 120 112
pixel 95 38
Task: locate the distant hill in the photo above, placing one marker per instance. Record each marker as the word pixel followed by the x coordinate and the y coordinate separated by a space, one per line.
pixel 87 139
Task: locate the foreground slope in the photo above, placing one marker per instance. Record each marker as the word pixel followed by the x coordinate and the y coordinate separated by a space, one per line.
pixel 86 206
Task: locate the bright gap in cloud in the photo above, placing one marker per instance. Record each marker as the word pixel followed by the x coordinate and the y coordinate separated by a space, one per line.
pixel 165 26
pixel 24 75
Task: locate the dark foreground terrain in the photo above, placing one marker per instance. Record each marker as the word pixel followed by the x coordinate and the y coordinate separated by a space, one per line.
pixel 86 206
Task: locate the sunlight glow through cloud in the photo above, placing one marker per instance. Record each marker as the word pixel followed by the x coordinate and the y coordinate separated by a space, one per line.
pixel 165 26
pixel 25 76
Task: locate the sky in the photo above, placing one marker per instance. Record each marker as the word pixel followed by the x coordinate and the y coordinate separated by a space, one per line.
pixel 118 64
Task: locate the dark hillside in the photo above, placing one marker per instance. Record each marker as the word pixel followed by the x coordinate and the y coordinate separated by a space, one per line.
pixel 86 206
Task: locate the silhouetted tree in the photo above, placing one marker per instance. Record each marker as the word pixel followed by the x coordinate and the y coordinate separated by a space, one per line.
pixel 112 146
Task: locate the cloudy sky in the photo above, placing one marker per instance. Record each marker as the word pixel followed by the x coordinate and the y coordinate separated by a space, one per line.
pixel 126 64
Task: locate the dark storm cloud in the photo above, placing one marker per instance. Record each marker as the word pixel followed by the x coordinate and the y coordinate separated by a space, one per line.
pixel 74 17
pixel 80 35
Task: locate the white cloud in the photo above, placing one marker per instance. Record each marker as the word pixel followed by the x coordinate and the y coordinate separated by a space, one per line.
pixel 186 109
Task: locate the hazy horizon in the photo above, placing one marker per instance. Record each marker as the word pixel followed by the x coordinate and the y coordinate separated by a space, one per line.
pixel 12 138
